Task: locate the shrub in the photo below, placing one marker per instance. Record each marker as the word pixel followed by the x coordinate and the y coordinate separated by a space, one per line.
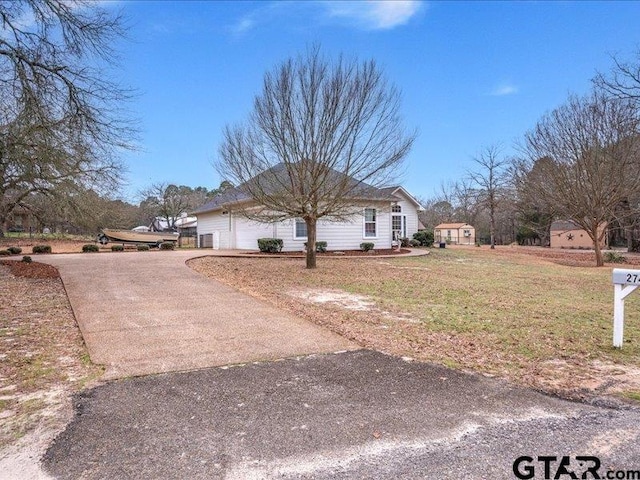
pixel 414 243
pixel 26 259
pixel 321 247
pixel 613 257
pixel 167 246
pixel 143 247
pixel 4 252
pixel 41 249
pixel 90 247
pixel 117 248
pixel 425 238
pixel 404 242
pixel 270 245
pixel 15 250
pixel 366 246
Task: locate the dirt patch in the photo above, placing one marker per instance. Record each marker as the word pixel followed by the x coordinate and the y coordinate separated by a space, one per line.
pixel 335 297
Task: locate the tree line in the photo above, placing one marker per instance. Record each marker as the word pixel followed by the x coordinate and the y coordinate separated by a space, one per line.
pixel 87 212
pixel 580 162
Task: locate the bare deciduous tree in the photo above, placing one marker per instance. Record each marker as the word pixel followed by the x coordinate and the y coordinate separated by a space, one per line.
pixel 167 201
pixel 490 180
pixel 592 159
pixel 61 117
pixel 623 81
pixel 320 135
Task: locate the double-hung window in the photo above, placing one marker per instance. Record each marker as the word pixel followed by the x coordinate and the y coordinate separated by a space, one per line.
pixel 370 223
pixel 300 229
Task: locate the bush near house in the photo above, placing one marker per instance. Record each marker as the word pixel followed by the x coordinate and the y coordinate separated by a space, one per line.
pixel 15 250
pixel 414 243
pixel 90 247
pixel 270 245
pixel 143 248
pixel 425 238
pixel 167 246
pixel 321 247
pixel 117 248
pixel 4 252
pixel 41 249
pixel 366 246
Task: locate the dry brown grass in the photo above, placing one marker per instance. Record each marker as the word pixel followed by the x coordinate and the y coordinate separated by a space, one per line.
pixel 509 312
pixel 43 357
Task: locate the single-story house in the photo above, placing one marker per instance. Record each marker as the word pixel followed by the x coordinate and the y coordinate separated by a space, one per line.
pixel 455 233
pixel 567 234
pixel 380 216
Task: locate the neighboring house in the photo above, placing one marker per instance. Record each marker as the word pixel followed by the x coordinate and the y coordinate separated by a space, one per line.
pixel 567 234
pixel 383 214
pixel 187 226
pixel 455 233
pixel 183 224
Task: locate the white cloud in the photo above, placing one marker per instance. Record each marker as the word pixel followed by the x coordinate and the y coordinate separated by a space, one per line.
pixel 375 14
pixel 504 89
pixel 244 25
pixel 368 15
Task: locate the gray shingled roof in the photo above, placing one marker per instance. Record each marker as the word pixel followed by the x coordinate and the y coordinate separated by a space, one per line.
pixel 565 225
pixel 360 190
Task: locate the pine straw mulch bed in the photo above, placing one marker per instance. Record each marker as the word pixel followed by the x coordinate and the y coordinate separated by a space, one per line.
pixel 43 356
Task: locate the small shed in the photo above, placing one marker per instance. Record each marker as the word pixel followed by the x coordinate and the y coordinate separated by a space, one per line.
pixel 567 234
pixel 455 234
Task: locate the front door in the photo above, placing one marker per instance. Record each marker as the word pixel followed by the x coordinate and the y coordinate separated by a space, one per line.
pixel 399 226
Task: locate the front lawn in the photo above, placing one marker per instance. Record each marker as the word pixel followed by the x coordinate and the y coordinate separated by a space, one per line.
pixel 504 312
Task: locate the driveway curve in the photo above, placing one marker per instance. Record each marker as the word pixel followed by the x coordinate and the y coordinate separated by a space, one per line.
pixel 147 312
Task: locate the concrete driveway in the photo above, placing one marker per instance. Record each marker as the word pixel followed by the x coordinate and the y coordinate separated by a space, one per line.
pixel 147 312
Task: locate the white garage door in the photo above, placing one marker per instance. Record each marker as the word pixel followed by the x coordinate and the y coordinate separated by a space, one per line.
pixel 248 233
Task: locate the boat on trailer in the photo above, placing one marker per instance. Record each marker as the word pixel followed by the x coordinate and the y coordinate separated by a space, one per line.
pixel 129 236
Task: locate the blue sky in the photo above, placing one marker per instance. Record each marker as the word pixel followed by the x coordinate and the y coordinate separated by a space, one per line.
pixel 472 74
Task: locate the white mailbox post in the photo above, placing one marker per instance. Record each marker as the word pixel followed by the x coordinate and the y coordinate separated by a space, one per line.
pixel 624 282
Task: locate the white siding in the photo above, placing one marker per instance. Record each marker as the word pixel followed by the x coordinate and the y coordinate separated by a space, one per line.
pixel 247 233
pixel 215 222
pixel 410 210
pixel 341 235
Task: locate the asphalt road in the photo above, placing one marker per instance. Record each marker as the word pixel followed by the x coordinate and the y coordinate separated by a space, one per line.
pixel 358 414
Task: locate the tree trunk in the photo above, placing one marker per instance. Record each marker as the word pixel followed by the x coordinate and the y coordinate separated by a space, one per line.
pixel 311 242
pixel 596 246
pixel 492 214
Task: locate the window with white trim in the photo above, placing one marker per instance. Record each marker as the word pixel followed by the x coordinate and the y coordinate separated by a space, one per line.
pixel 370 223
pixel 299 229
pixel 396 208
